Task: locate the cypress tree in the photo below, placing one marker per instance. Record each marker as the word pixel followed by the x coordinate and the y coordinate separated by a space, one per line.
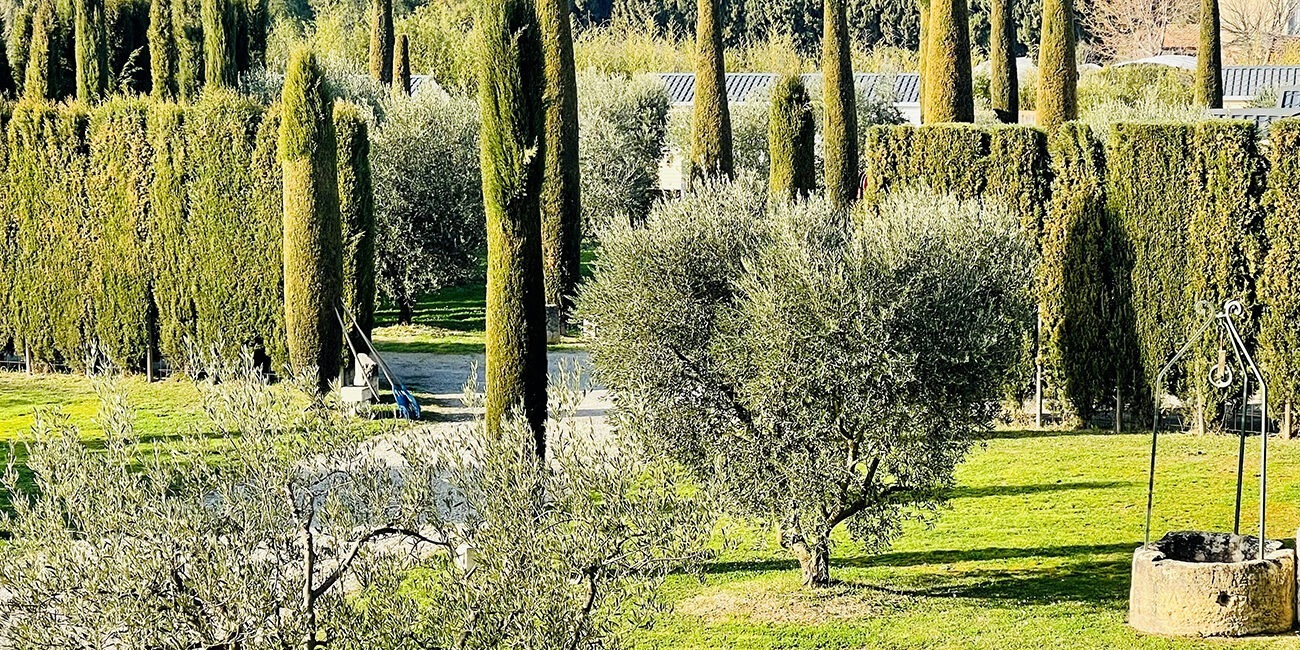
pixel 357 214
pixel 791 138
pixel 512 150
pixel 947 63
pixel 90 49
pixel 402 66
pixel 219 66
pixel 162 50
pixel 1209 58
pixel 40 82
pixel 711 153
pixel 187 32
pixel 1004 82
pixel 561 184
pixel 381 41
pixel 312 231
pixel 923 7
pixel 1058 77
pixel 841 131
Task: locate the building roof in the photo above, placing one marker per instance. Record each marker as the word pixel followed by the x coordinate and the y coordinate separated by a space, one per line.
pixel 422 84
pixel 1288 97
pixel 752 86
pixel 1261 117
pixel 1244 82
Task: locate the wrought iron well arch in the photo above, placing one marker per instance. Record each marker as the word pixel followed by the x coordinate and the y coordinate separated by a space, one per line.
pixel 1221 376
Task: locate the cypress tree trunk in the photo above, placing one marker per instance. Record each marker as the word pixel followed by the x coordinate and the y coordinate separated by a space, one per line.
pixel 402 66
pixel 840 135
pixel 90 49
pixel 711 153
pixel 561 185
pixel 312 231
pixel 791 139
pixel 162 50
pixel 218 43
pixel 513 150
pixel 357 214
pixel 1058 76
pixel 40 82
pixel 1209 58
pixel 1004 82
pixel 381 41
pixel 947 62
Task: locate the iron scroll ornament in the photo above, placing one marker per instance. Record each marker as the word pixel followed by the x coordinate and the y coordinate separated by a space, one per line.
pixel 1221 376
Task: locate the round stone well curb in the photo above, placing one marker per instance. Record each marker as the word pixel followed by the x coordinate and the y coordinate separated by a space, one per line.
pixel 1200 584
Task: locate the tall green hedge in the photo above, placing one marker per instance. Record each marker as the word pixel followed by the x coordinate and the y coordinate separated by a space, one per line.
pixel 711 151
pixel 840 133
pixel 313 266
pixel 1080 339
pixel 1279 336
pixel 791 141
pixel 356 213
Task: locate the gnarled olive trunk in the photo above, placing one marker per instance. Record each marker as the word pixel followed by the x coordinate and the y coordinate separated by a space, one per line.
pixel 814 555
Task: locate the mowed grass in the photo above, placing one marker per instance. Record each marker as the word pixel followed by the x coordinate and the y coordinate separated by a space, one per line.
pixel 1033 553
pixel 162 408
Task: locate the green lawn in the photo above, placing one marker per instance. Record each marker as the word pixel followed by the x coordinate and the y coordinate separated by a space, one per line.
pixel 1034 553
pixel 163 407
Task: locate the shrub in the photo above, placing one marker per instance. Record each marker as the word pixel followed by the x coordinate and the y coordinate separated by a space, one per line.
pixel 512 144
pixel 621 143
pixel 312 232
pixel 711 152
pixel 1279 336
pixel 723 328
pixel 1058 76
pixel 839 135
pixel 561 200
pixel 428 198
pixel 792 135
pixel 1135 86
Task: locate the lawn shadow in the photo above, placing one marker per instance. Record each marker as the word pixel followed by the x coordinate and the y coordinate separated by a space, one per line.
pixel 1020 490
pixel 1019 434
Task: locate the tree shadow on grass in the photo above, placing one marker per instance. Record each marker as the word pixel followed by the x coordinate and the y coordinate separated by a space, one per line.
pixel 1052 433
pixel 1021 490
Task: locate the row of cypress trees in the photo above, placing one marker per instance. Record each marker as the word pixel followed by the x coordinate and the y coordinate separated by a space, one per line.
pixel 190 44
pixel 390 56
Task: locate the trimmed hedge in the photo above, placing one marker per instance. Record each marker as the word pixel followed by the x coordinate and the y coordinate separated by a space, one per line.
pixel 1079 344
pixel 1279 336
pixel 144 222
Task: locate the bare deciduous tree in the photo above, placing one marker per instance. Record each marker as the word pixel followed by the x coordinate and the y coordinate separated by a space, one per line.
pixel 1133 29
pixel 1252 29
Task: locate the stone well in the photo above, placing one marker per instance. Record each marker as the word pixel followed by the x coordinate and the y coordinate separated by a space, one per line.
pixel 1212 584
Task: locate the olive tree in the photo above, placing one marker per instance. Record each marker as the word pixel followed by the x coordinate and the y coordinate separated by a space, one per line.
pixel 301 537
pixel 817 374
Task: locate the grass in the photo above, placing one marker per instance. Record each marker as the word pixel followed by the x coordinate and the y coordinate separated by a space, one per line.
pixel 450 320
pixel 161 407
pixel 1034 552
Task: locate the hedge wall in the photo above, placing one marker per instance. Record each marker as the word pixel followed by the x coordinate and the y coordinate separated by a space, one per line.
pixel 1279 337
pixel 142 222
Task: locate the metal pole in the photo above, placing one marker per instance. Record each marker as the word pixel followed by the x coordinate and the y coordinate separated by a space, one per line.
pixel 1263 464
pixel 1241 460
pixel 1151 473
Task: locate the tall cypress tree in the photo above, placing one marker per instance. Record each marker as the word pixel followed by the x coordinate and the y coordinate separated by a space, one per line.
pixel 381 41
pixel 41 81
pixel 187 32
pixel 711 153
pixel 923 46
pixel 513 146
pixel 162 49
pixel 791 141
pixel 219 24
pixel 947 63
pixel 90 49
pixel 1004 82
pixel 357 214
pixel 841 130
pixel 1058 76
pixel 313 269
pixel 1209 58
pixel 402 66
pixel 561 185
